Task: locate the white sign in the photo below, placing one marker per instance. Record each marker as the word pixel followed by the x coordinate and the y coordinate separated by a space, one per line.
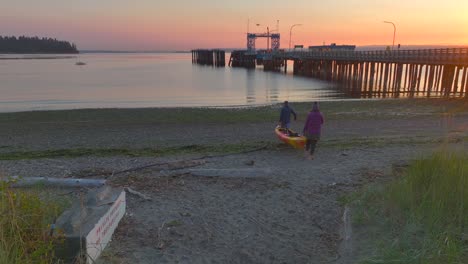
pixel 100 235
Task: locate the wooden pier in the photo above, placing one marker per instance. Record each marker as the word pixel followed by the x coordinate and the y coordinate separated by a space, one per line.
pixel 384 73
pixel 431 72
pixel 216 58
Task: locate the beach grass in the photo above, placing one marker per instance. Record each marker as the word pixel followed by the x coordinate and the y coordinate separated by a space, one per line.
pixel 25 224
pixel 422 217
pixel 400 108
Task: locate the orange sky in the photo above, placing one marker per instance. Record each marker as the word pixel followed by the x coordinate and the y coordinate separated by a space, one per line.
pixel 173 25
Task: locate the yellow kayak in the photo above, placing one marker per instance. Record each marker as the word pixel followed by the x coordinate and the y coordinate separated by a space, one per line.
pixel 290 137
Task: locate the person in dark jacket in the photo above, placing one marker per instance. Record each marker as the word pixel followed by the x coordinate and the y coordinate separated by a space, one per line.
pixel 285 116
pixel 312 130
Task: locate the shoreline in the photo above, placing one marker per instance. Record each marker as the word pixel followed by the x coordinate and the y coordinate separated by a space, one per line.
pixel 247 107
pixel 241 106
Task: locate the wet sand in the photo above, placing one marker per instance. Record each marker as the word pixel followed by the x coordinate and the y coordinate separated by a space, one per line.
pixel 290 215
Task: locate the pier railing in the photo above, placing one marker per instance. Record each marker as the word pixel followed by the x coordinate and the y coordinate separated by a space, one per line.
pixel 452 56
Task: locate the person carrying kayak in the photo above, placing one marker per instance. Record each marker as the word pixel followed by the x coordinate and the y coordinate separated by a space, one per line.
pixel 312 130
pixel 285 116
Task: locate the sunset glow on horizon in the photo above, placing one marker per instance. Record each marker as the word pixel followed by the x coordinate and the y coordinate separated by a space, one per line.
pixel 166 25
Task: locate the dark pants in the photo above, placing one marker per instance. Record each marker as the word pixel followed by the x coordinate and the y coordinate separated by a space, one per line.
pixel 311 143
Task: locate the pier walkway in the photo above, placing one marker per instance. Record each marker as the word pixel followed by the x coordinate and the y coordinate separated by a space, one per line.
pixel 454 56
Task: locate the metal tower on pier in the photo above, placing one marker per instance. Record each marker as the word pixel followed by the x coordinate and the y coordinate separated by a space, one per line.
pixel 275 40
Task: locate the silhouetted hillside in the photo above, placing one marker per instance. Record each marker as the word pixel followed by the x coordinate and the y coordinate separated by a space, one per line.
pixel 35 45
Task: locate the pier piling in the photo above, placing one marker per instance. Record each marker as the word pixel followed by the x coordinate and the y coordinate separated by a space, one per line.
pixel 216 58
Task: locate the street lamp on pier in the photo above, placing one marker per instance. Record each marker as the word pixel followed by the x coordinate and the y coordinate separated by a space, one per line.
pixel 290 33
pixel 394 33
pixel 268 38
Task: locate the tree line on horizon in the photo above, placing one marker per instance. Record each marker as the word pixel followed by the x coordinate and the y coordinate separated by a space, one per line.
pixel 24 44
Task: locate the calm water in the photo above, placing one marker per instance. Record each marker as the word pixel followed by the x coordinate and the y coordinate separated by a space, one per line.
pixel 144 80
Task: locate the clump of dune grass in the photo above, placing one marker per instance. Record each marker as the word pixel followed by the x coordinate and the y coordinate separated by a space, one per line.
pixel 25 223
pixel 422 217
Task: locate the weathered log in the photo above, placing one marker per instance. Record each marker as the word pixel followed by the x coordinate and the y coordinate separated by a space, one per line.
pixel 19 182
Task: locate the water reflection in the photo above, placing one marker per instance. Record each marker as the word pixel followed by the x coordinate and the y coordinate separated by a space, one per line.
pixel 272 90
pixel 145 80
pixel 250 97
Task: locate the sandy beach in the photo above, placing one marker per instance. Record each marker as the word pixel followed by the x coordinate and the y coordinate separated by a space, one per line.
pixel 266 206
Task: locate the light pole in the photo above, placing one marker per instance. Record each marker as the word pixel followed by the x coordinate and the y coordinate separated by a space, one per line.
pixel 290 33
pixel 268 39
pixel 394 33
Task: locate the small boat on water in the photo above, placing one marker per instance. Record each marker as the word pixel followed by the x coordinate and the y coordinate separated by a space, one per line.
pixel 80 63
pixel 290 137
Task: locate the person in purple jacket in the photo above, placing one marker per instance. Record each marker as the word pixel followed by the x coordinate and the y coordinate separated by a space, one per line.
pixel 312 129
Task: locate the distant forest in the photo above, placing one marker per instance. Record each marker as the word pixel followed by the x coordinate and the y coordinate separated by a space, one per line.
pixel 35 45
